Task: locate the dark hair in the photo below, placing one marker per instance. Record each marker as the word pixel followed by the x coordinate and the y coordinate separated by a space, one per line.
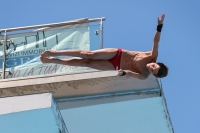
pixel 163 71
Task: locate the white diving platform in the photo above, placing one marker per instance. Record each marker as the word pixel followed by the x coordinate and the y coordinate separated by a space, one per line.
pixel 75 84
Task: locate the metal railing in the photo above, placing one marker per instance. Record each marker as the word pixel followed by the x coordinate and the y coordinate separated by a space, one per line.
pixel 4 33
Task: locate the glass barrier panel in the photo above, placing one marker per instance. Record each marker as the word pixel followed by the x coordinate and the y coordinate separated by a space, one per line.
pixel 115 114
pixel 25 113
pixel 94 37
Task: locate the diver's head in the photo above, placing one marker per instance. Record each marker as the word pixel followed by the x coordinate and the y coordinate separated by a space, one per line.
pixel 159 70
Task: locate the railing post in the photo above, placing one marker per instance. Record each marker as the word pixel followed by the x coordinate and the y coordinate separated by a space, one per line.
pixel 101 34
pixel 4 55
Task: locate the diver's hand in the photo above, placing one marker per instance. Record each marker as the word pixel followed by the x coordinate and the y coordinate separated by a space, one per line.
pixel 160 20
pixel 121 72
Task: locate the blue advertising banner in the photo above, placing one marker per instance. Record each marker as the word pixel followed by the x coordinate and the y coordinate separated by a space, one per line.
pixel 23 50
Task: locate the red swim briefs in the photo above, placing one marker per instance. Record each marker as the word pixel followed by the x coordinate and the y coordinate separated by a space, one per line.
pixel 116 59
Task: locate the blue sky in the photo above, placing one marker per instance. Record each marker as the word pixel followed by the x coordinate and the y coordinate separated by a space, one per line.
pixel 131 24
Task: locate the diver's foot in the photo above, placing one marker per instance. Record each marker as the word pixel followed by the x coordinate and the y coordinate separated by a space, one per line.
pixel 47 53
pixel 46 60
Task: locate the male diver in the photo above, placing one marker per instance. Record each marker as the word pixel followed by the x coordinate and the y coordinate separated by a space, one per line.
pixel 130 63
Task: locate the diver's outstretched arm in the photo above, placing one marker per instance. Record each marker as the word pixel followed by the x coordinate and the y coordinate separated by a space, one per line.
pixel 157 36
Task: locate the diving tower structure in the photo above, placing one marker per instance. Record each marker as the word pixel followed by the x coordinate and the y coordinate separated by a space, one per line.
pixel 37 97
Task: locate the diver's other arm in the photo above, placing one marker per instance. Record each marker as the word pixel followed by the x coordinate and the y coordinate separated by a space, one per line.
pixel 131 74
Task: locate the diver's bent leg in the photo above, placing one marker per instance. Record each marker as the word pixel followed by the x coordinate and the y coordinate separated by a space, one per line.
pixel 102 54
pixel 96 64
